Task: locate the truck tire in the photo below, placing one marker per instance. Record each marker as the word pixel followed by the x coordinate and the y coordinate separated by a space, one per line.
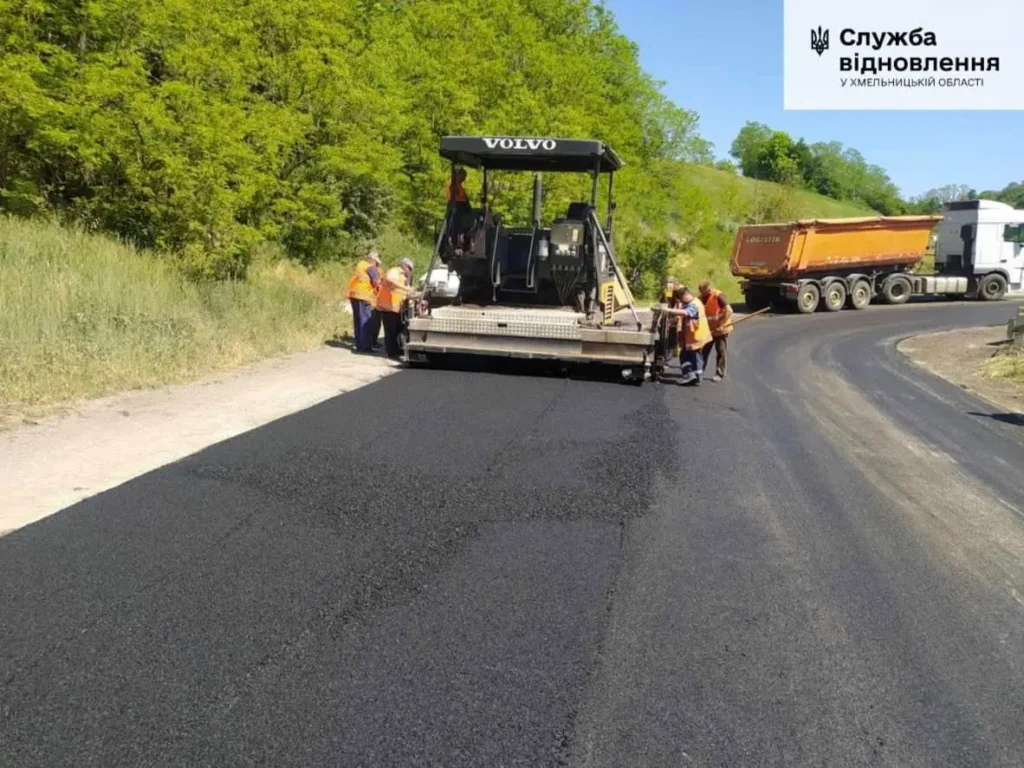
pixel 860 295
pixel 896 289
pixel 807 298
pixel 992 287
pixel 834 296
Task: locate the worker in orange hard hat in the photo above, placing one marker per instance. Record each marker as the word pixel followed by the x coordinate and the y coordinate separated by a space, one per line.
pixel 696 334
pixel 719 313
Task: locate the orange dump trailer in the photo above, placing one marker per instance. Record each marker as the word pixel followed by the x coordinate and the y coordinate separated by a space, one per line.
pixel 837 262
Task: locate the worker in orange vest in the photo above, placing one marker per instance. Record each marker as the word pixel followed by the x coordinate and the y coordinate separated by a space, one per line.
pixel 394 289
pixel 459 208
pixel 461 199
pixel 719 313
pixel 696 334
pixel 362 293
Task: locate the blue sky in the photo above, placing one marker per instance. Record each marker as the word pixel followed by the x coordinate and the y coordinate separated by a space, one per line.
pixel 723 59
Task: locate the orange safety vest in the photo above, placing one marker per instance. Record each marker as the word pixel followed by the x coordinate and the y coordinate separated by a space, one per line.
pixel 359 285
pixel 719 316
pixel 392 292
pixel 697 333
pixel 460 193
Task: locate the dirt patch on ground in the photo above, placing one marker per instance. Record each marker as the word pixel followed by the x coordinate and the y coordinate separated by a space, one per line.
pixel 960 357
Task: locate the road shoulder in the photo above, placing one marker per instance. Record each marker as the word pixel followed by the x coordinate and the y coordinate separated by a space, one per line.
pixel 99 444
pixel 960 357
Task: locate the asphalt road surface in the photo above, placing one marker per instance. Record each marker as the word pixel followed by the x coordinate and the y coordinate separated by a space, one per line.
pixel 817 562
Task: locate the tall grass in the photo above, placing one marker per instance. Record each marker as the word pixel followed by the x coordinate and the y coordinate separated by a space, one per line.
pixel 82 315
pixel 722 186
pixel 1008 364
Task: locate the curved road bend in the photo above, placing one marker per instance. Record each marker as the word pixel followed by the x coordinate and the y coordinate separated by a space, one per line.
pixel 820 562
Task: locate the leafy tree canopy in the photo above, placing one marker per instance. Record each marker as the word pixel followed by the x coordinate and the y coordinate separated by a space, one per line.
pixel 204 128
pixel 824 167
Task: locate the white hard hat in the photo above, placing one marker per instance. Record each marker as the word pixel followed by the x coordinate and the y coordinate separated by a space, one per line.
pixel 407 263
pixel 374 256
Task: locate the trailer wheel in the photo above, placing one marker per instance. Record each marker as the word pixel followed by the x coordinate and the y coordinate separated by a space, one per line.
pixel 834 296
pixel 992 287
pixel 860 295
pixel 896 289
pixel 807 298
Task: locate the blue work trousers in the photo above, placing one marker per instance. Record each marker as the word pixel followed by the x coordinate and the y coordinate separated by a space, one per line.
pixel 362 320
pixel 692 364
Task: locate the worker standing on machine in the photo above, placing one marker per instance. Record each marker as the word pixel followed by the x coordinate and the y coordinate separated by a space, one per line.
pixel 459 207
pixel 460 198
pixel 394 289
pixel 719 313
pixel 696 334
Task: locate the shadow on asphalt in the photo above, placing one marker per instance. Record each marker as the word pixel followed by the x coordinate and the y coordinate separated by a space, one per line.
pixel 607 374
pixel 1016 419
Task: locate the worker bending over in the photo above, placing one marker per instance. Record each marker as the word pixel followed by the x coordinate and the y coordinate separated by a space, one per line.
pixel 696 334
pixel 362 293
pixel 394 290
pixel 719 313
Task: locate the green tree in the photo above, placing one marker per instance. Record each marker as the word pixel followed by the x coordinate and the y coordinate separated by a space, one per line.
pixel 777 160
pixel 204 129
pixel 747 146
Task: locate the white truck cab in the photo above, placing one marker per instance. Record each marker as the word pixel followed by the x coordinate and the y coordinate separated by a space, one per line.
pixel 982 238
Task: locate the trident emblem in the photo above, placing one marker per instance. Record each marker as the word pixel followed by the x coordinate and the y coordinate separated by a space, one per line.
pixel 819 40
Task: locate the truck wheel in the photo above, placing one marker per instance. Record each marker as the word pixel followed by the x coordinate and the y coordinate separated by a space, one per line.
pixel 992 288
pixel 835 296
pixel 807 298
pixel 896 290
pixel 860 295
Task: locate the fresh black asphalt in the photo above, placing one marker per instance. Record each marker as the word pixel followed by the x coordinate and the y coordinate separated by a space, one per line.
pixel 473 568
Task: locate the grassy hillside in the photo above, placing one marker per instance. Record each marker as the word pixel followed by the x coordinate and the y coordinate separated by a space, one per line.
pixel 721 185
pixel 737 200
pixel 83 315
